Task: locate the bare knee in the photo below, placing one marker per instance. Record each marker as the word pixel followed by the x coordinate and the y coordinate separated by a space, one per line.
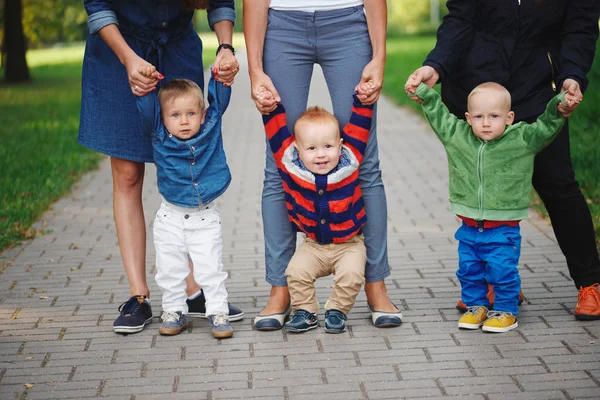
pixel 127 175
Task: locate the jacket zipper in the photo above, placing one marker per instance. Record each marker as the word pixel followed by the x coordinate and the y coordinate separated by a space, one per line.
pixel 480 178
pixel 552 68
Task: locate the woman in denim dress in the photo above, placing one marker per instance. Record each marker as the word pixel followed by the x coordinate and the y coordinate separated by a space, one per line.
pixel 123 36
pixel 284 40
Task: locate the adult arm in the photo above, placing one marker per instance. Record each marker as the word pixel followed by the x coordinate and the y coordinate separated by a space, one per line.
pixel 102 20
pixel 262 90
pixel 371 80
pixel 221 19
pixel 357 130
pixel 579 36
pixel 454 37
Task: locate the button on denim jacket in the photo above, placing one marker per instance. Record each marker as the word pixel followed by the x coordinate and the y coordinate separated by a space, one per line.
pixel 190 172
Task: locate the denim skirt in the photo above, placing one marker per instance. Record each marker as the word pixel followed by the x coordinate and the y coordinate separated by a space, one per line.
pixel 109 120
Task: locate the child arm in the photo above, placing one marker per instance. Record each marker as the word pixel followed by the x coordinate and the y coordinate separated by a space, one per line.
pixel 147 105
pixel 357 130
pixel 543 131
pixel 441 120
pixel 278 134
pixel 218 99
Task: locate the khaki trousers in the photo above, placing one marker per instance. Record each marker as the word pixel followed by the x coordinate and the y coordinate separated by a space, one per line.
pixel 346 261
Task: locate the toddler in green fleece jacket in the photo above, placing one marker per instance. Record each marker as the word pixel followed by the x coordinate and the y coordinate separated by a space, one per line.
pixel 490 163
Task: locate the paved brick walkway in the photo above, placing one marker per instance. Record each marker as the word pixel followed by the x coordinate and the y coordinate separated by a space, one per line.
pixel 59 295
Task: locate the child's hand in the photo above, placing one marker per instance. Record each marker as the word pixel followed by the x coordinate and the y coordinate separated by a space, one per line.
pixel 572 98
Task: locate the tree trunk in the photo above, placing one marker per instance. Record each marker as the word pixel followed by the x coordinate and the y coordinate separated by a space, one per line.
pixel 15 63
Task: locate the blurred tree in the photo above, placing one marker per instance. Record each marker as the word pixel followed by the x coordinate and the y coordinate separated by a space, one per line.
pixel 415 16
pixel 52 21
pixel 13 43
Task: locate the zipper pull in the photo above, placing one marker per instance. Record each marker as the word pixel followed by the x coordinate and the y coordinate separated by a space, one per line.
pixel 553 86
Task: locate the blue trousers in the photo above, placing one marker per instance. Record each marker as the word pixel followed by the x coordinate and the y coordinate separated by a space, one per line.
pixel 489 256
pixel 338 41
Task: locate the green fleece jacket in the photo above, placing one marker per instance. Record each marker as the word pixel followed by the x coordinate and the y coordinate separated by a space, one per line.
pixel 490 180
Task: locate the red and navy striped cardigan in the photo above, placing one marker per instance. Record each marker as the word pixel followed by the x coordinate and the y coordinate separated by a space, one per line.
pixel 328 208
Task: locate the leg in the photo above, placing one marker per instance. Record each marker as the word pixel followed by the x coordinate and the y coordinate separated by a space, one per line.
pixel 349 274
pixel 343 53
pixel 554 180
pixel 502 252
pixel 304 268
pixel 171 259
pixel 205 245
pixel 128 177
pixel 471 269
pixel 288 62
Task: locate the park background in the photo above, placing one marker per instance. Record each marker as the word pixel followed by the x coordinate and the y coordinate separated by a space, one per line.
pixel 40 92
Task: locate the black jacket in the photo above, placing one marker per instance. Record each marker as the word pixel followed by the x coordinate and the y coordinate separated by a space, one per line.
pixel 530 48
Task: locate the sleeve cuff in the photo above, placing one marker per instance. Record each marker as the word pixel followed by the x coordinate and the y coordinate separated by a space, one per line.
pixel 101 19
pixel 220 14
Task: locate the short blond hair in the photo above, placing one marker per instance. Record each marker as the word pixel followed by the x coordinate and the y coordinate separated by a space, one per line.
pixel 493 87
pixel 178 88
pixel 316 115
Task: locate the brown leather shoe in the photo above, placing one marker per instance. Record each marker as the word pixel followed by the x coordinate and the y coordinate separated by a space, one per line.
pixel 588 303
pixel 460 306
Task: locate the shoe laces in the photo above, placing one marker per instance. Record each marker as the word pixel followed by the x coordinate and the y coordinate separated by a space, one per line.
pixel 128 307
pixel 474 309
pixel 170 316
pixel 593 291
pixel 499 314
pixel 220 319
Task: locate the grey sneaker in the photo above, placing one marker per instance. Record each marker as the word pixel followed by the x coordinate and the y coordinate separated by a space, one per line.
pixel 221 328
pixel 173 322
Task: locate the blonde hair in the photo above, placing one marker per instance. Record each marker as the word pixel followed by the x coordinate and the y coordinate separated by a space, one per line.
pixel 493 87
pixel 179 88
pixel 316 115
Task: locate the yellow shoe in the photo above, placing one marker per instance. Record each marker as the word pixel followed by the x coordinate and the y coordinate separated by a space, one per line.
pixel 473 318
pixel 500 321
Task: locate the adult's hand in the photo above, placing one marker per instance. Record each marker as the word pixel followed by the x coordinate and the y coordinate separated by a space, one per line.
pixel 140 85
pixel 227 67
pixel 575 97
pixel 426 74
pixel 263 92
pixel 371 82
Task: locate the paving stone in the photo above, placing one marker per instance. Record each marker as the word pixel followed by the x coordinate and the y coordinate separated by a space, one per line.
pixel 65 346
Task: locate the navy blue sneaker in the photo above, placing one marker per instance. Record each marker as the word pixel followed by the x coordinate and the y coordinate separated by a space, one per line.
pixel 197 308
pixel 136 313
pixel 173 322
pixel 302 321
pixel 335 321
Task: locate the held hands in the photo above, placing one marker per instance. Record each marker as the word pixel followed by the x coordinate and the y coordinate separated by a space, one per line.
pixel 572 98
pixel 143 76
pixel 371 82
pixel 227 67
pixel 427 75
pixel 264 94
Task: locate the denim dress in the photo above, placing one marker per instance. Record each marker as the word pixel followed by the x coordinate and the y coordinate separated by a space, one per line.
pixel 161 32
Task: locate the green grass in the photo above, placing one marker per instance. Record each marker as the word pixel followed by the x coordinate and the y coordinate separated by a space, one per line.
pixel 40 158
pixel 405 54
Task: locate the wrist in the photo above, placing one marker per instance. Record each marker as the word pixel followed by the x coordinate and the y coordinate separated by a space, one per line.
pixel 225 46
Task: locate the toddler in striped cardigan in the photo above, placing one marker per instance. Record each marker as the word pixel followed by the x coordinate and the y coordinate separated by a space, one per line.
pixel 319 168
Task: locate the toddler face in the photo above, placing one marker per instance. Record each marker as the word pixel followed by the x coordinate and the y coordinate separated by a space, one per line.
pixel 319 146
pixel 489 113
pixel 183 116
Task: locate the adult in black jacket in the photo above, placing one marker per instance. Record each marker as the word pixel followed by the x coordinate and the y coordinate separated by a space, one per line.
pixel 534 48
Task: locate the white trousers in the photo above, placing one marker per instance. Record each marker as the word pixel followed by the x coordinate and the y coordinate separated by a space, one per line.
pixel 183 234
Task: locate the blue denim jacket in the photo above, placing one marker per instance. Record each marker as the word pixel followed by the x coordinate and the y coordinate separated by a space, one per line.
pixel 151 15
pixel 190 172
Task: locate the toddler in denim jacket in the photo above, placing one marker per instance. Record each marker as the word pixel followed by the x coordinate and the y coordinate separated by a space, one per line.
pixel 191 172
